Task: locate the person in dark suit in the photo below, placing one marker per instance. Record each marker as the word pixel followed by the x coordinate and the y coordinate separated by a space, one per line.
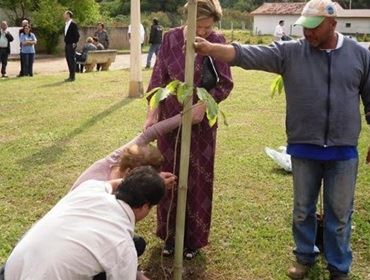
pixel 5 39
pixel 71 37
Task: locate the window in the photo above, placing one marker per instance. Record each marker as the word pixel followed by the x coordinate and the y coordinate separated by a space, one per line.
pixel 348 25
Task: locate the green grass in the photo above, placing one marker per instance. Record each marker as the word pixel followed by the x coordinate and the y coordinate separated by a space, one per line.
pixel 51 131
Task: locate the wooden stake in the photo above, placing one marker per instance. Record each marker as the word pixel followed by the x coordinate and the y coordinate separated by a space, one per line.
pixel 185 142
pixel 136 80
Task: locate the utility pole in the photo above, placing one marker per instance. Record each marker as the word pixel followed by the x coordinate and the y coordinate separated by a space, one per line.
pixel 136 80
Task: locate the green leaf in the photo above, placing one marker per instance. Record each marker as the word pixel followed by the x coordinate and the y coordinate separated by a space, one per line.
pixel 172 86
pixel 224 118
pixel 277 86
pixel 158 96
pixel 202 94
pixel 153 91
pixel 212 109
pixel 183 92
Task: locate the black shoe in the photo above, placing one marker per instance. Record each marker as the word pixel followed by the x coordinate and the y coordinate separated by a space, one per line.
pixel 168 250
pixel 338 276
pixel 70 80
pixel 190 254
pixel 4 76
pixel 147 67
pixel 140 245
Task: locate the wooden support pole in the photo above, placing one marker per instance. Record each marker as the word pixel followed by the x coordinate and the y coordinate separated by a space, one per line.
pixel 136 80
pixel 185 142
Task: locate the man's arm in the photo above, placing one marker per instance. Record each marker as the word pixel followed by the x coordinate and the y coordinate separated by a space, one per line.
pixel 221 52
pixel 9 36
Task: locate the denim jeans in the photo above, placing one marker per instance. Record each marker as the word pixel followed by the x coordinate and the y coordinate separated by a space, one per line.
pixel 27 62
pixel 339 179
pixel 153 49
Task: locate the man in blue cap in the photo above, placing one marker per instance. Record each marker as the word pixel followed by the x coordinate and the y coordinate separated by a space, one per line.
pixel 324 74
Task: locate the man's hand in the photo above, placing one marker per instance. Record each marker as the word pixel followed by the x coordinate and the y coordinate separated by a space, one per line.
pixel 169 179
pixel 221 52
pixel 368 156
pixel 202 46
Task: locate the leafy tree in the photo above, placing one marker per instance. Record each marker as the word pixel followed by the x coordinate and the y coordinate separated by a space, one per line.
pixel 18 9
pixel 49 21
pixel 84 11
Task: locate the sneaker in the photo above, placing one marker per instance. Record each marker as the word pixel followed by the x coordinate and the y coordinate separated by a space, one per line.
pixel 298 271
pixel 4 76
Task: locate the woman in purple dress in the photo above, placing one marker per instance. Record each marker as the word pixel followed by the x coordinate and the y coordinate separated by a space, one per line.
pixel 170 66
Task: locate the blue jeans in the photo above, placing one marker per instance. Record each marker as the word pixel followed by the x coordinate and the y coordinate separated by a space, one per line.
pixel 153 49
pixel 339 179
pixel 27 63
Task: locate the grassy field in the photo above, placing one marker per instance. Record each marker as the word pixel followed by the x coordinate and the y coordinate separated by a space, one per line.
pixel 51 131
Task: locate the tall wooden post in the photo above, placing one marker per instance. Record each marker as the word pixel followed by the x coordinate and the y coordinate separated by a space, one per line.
pixel 185 142
pixel 136 80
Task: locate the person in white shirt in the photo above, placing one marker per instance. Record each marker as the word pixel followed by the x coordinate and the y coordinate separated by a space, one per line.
pixel 88 231
pixel 142 33
pixel 279 33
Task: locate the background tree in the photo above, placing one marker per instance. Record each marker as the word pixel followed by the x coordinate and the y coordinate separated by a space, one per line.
pixel 84 11
pixel 17 10
pixel 49 21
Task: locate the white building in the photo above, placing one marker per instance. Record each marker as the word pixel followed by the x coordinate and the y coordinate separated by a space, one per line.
pixel 267 16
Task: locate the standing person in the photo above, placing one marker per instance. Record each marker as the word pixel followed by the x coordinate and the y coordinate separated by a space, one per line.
pixel 28 41
pixel 170 66
pixel 71 37
pixel 21 30
pixel 279 33
pixel 88 231
pixel 5 39
pixel 142 33
pixel 99 47
pixel 155 40
pixel 102 35
pixel 323 83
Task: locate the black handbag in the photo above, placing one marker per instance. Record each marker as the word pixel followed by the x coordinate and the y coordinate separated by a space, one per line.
pixel 210 76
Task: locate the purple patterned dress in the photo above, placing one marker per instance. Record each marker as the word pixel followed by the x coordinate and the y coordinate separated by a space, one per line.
pixel 170 65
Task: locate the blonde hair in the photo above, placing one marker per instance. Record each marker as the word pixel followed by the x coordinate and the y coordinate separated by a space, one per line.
pixel 135 156
pixel 207 9
pixel 89 40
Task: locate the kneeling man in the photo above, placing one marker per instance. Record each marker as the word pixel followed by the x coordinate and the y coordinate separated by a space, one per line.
pixel 88 231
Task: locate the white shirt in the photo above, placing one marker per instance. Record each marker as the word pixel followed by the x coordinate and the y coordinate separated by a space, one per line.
pixel 3 39
pixel 142 32
pixel 86 232
pixel 279 32
pixel 68 23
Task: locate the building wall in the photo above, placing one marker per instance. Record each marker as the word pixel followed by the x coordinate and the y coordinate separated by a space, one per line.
pixel 357 25
pixel 14 45
pixel 118 38
pixel 265 24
